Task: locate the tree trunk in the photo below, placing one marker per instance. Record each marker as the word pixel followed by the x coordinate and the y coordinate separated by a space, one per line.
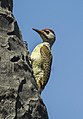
pixel 19 97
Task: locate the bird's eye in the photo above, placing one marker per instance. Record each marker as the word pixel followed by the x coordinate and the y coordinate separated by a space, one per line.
pixel 47 32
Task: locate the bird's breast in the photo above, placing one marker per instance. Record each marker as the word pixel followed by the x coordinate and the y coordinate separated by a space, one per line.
pixel 36 52
pixel 36 58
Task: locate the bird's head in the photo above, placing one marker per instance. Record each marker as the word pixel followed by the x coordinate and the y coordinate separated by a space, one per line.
pixel 47 35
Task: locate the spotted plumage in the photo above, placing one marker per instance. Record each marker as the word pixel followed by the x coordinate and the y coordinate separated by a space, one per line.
pixel 41 58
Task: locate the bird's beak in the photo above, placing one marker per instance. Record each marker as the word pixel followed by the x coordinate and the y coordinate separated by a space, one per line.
pixel 38 31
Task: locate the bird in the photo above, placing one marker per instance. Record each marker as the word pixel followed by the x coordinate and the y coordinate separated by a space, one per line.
pixel 41 57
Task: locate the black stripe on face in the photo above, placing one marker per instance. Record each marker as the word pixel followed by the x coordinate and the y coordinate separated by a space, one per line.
pixel 52 31
pixel 45 36
pixel 47 30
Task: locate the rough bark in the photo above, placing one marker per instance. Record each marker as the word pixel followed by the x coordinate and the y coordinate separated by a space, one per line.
pixel 19 97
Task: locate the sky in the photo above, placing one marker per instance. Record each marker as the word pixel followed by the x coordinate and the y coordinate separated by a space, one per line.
pixel 63 95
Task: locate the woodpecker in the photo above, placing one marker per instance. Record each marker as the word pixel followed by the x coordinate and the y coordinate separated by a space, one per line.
pixel 41 58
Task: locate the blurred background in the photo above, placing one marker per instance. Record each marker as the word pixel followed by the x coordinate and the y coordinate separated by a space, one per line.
pixel 63 95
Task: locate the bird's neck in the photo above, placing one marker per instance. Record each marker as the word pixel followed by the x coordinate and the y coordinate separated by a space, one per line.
pixel 47 44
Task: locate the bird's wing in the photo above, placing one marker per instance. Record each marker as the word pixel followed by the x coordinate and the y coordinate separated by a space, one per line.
pixel 46 62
